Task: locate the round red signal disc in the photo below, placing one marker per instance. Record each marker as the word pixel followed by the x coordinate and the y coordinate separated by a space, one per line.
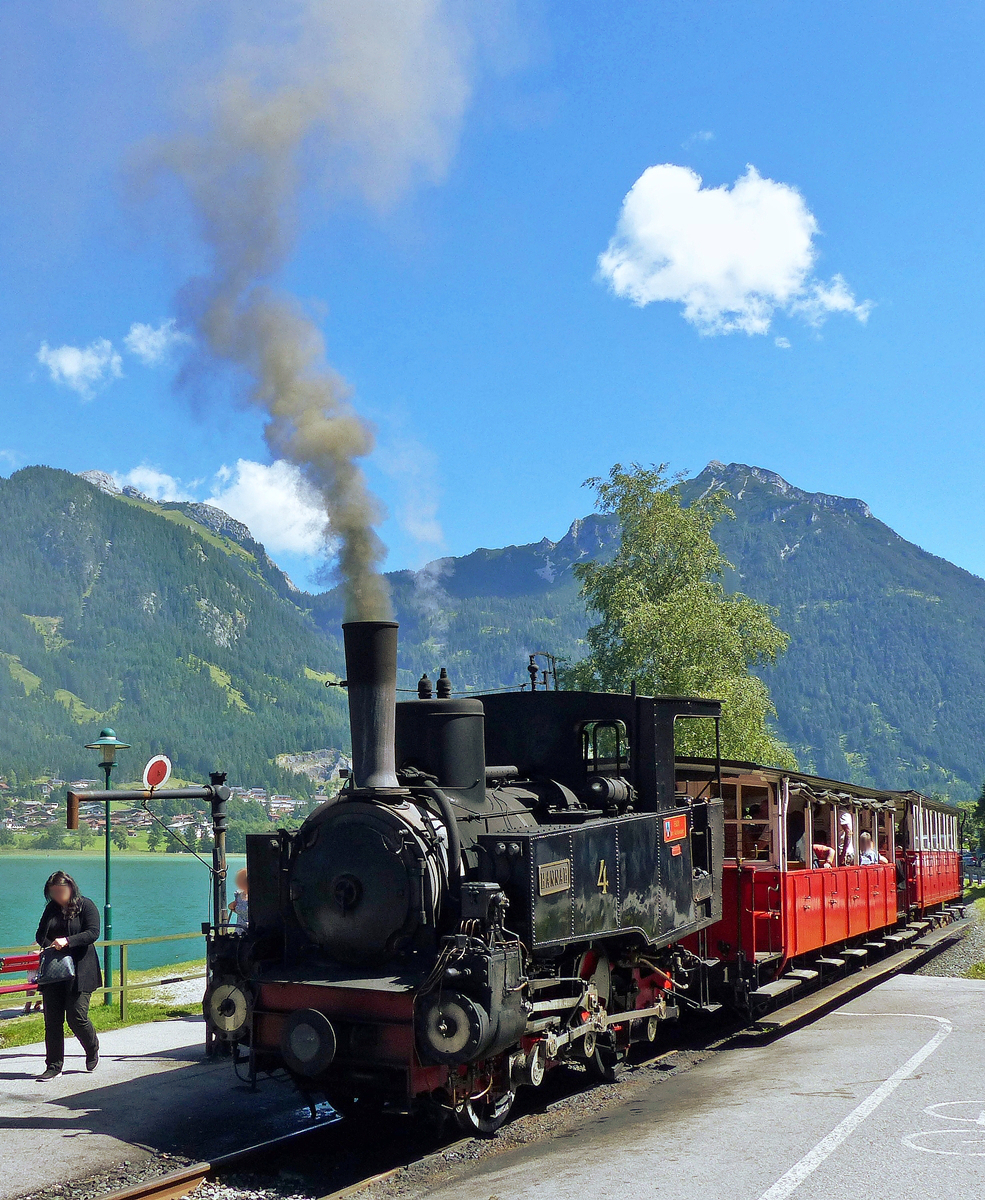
pixel 157 771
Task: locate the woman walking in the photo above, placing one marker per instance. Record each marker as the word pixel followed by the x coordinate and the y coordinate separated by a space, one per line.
pixel 69 923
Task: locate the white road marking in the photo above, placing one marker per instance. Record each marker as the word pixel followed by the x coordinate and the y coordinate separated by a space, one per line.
pixel 966 1143
pixel 973 1106
pixel 787 1184
pixel 970 1143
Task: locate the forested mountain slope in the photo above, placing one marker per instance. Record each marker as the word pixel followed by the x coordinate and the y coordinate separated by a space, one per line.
pixel 171 623
pixel 117 611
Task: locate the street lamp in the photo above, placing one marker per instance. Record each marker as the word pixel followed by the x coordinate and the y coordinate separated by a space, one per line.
pixel 107 744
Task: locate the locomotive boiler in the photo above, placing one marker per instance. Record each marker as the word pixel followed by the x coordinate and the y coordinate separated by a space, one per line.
pixel 501 885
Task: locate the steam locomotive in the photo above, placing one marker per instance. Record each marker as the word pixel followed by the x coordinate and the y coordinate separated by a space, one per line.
pixel 503 884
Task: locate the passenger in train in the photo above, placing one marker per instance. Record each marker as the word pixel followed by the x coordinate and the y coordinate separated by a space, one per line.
pixel 822 855
pixel 796 832
pixel 846 841
pixel 868 855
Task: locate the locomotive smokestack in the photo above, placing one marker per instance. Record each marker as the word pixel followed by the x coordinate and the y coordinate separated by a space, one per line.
pixel 371 674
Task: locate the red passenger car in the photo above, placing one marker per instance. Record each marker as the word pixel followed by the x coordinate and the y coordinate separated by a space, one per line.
pixel 819 876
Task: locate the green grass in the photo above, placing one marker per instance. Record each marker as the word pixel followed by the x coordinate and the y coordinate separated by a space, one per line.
pixel 28 680
pixel 24 1031
pixel 78 710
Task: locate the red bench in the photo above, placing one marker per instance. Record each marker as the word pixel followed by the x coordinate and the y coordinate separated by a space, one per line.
pixel 19 962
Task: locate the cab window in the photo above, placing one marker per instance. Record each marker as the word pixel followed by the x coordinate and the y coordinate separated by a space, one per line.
pixel 605 747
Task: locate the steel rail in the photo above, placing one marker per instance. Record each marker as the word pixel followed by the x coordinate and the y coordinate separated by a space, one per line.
pixel 183 1182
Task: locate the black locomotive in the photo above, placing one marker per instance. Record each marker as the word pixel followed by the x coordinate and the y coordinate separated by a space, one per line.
pixel 501 885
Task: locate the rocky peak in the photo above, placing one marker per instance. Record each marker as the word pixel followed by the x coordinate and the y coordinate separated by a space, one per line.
pixel 736 478
pixel 102 480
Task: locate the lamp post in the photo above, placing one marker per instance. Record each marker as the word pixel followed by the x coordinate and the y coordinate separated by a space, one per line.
pixel 107 744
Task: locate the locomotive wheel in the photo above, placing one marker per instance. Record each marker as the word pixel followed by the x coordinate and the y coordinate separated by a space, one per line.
pixel 604 1064
pixel 484 1116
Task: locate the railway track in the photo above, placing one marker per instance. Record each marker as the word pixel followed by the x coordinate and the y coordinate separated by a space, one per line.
pixel 333 1137
pixel 183 1182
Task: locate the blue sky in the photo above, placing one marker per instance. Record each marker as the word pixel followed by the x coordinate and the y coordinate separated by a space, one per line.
pixel 499 364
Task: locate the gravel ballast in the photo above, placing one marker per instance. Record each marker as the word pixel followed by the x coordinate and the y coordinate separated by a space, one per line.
pixel 958 959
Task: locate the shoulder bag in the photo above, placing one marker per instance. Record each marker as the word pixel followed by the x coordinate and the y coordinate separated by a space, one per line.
pixel 55 966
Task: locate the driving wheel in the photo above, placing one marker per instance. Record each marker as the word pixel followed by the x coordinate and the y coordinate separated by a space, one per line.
pixel 483 1116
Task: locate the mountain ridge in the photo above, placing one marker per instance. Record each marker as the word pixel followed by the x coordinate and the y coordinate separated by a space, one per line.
pixel 884 680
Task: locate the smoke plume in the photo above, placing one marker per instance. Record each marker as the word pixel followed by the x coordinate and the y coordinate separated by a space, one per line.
pixel 342 95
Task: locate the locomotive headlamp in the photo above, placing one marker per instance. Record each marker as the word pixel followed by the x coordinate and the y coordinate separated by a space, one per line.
pixel 227 1009
pixel 307 1042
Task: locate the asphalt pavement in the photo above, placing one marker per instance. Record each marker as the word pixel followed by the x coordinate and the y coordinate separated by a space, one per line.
pixel 154 1092
pixel 884 1098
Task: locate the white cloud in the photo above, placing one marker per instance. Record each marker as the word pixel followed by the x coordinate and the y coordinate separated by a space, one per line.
pixel 732 256
pixel 152 346
pixel 280 507
pixel 783 343
pixel 82 369
pixel 154 483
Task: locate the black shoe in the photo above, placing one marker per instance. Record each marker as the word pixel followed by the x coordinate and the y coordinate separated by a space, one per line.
pixel 92 1060
pixel 49 1073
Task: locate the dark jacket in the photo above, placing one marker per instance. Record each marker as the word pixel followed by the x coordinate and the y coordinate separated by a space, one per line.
pixel 81 932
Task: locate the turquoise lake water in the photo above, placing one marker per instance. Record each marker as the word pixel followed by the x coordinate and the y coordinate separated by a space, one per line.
pixel 152 895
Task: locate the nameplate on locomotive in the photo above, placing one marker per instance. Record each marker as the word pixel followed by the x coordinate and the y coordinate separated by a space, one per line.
pixel 554 877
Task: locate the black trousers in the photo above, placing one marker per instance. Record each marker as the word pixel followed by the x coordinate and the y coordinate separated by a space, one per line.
pixel 61 1005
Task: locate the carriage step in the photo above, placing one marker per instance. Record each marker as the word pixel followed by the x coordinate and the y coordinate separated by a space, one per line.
pixel 943 936
pixel 854 953
pixel 896 939
pixel 802 973
pixel 874 945
pixel 918 926
pixel 829 962
pixel 776 988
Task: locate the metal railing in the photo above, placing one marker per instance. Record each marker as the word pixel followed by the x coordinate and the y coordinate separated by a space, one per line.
pixel 124 987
